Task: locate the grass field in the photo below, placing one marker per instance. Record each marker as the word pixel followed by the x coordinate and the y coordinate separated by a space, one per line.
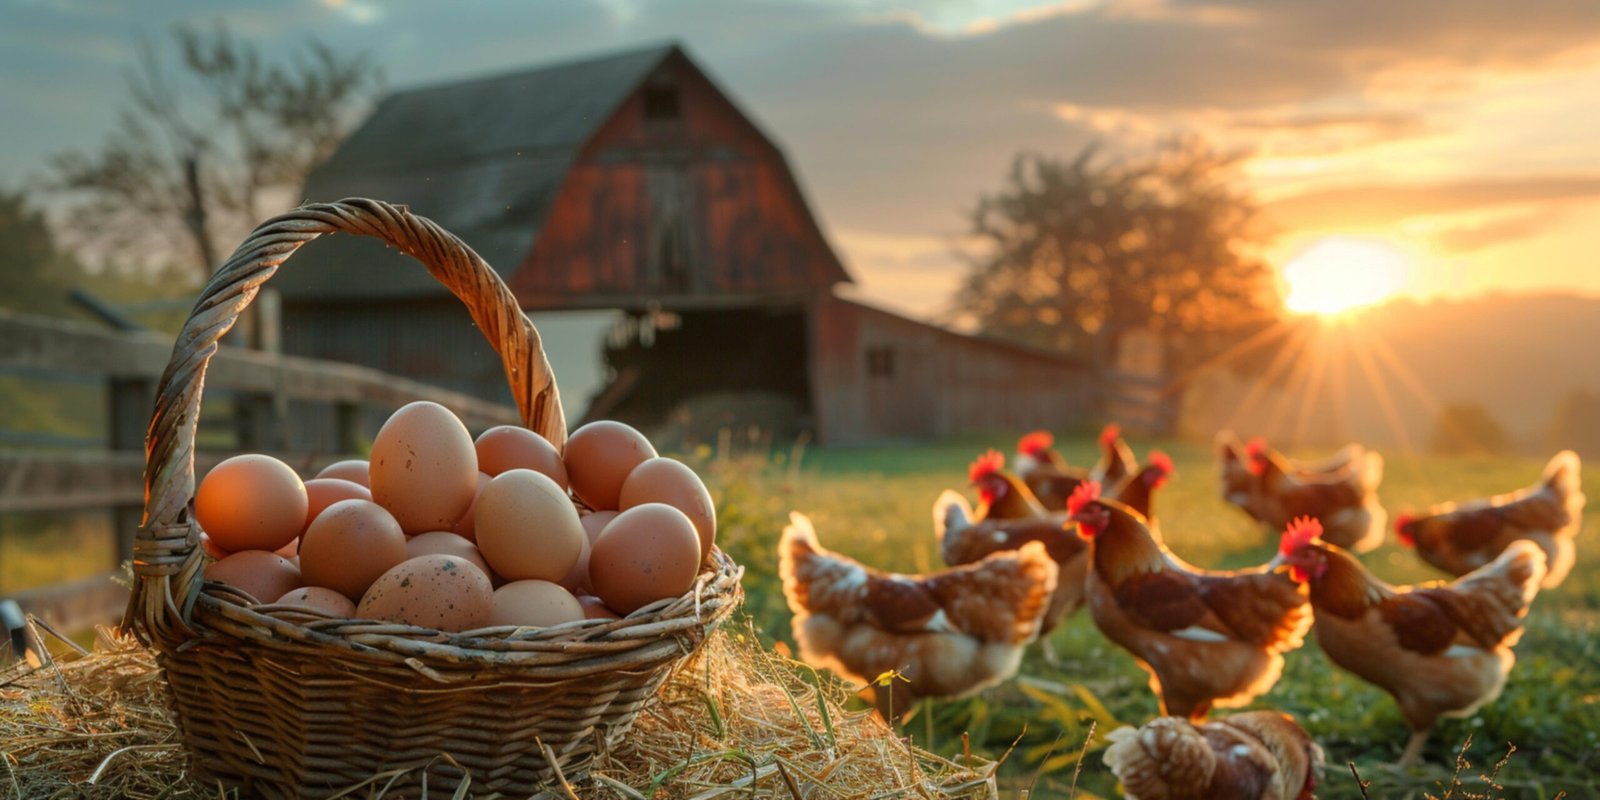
pixel 874 504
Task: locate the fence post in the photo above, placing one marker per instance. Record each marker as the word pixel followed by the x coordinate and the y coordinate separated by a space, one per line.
pixel 349 434
pixel 130 401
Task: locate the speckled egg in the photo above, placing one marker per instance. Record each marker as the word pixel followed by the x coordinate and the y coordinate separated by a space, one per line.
pixel 424 468
pixel 647 553
pixel 445 593
pixel 445 543
pixel 262 575
pixel 349 545
pixel 324 492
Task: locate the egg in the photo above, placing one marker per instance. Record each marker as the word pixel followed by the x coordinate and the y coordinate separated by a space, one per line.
pixel 211 548
pixel 507 447
pixel 665 480
pixel 349 545
pixel 446 544
pixel 595 608
pixel 647 553
pixel 318 598
pixel 577 578
pixel 467 526
pixel 445 593
pixel 424 468
pixel 594 522
pixel 599 457
pixel 355 471
pixel 262 575
pixel 324 492
pixel 527 527
pixel 251 502
pixel 534 603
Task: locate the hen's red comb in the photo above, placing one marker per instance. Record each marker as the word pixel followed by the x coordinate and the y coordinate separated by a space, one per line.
pixel 1035 443
pixel 987 464
pixel 1301 532
pixel 1255 452
pixel 1400 524
pixel 1161 461
pixel 1110 434
pixel 1257 446
pixel 1081 496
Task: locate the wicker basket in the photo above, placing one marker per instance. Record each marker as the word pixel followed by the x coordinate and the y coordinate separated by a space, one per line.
pixel 283 702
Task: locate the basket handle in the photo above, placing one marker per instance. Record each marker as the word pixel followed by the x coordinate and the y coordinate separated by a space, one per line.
pixel 167 539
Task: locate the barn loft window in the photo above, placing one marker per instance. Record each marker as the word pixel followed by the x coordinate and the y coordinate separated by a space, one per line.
pixel 660 103
pixel 880 362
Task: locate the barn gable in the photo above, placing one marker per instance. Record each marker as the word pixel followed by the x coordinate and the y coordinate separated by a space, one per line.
pixel 589 184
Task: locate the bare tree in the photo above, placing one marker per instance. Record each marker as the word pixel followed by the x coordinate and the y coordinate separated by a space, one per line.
pixel 199 151
pixel 1071 253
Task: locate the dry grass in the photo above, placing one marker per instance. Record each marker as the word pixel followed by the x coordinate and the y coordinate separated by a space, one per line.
pixel 738 721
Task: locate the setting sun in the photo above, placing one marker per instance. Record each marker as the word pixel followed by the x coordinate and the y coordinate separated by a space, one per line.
pixel 1340 274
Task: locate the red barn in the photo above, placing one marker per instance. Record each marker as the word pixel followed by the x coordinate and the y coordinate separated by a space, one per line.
pixel 632 182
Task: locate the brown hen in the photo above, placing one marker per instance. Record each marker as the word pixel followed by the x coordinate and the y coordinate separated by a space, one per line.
pixel 1253 755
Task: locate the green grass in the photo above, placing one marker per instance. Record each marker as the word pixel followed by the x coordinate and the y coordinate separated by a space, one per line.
pixel 874 504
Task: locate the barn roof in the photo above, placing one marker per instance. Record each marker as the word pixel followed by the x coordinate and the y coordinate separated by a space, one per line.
pixel 483 158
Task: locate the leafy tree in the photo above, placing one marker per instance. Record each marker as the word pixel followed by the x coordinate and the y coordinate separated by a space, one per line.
pixel 1071 253
pixel 197 155
pixel 1467 429
pixel 35 274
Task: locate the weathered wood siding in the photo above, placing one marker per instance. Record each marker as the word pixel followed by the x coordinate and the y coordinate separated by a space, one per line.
pixel 681 211
pixel 877 376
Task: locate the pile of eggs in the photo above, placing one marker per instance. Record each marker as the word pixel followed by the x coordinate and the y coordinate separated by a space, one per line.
pixel 440 531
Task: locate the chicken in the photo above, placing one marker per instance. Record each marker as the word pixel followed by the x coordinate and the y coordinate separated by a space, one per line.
pixel 1206 638
pixel 1045 472
pixel 1344 501
pixel 950 634
pixel 1439 649
pixel 1239 483
pixel 1252 755
pixel 1137 491
pixel 1461 537
pixel 1116 458
pixel 966 535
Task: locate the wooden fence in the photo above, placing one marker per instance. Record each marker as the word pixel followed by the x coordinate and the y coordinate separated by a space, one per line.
pixel 47 473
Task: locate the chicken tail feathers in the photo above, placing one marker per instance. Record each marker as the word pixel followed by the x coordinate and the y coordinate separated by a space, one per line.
pixel 951 512
pixel 1370 472
pixel 1164 760
pixel 1564 476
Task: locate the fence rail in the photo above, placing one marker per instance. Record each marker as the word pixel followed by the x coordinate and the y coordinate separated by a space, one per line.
pixel 51 472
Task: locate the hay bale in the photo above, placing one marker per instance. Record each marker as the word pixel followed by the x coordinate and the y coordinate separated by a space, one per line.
pixel 738 721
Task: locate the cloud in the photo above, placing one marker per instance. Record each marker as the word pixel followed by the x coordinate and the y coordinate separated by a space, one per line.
pixel 1376 205
pixel 1502 229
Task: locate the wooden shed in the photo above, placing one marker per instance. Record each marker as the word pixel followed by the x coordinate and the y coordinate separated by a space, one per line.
pixel 632 182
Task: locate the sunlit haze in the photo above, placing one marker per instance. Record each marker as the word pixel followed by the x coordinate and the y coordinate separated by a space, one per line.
pixel 1340 274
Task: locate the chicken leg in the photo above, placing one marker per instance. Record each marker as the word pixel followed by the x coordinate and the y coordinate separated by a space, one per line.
pixel 1413 751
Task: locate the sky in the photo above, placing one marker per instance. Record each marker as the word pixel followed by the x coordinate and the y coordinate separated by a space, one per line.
pixel 1458 136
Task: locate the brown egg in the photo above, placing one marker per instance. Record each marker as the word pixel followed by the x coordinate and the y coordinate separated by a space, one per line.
pixel 507 447
pixel 257 573
pixel 251 502
pixel 647 553
pixel 424 468
pixel 527 527
pixel 210 546
pixel 599 457
pixel 534 603
pixel 318 598
pixel 349 545
pixel 595 608
pixel 666 480
pixel 445 593
pixel 445 543
pixel 577 578
pixel 355 471
pixel 467 526
pixel 595 521
pixel 291 549
pixel 324 492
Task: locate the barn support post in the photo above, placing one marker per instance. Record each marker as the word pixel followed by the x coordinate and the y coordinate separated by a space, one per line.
pixel 347 424
pixel 129 402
